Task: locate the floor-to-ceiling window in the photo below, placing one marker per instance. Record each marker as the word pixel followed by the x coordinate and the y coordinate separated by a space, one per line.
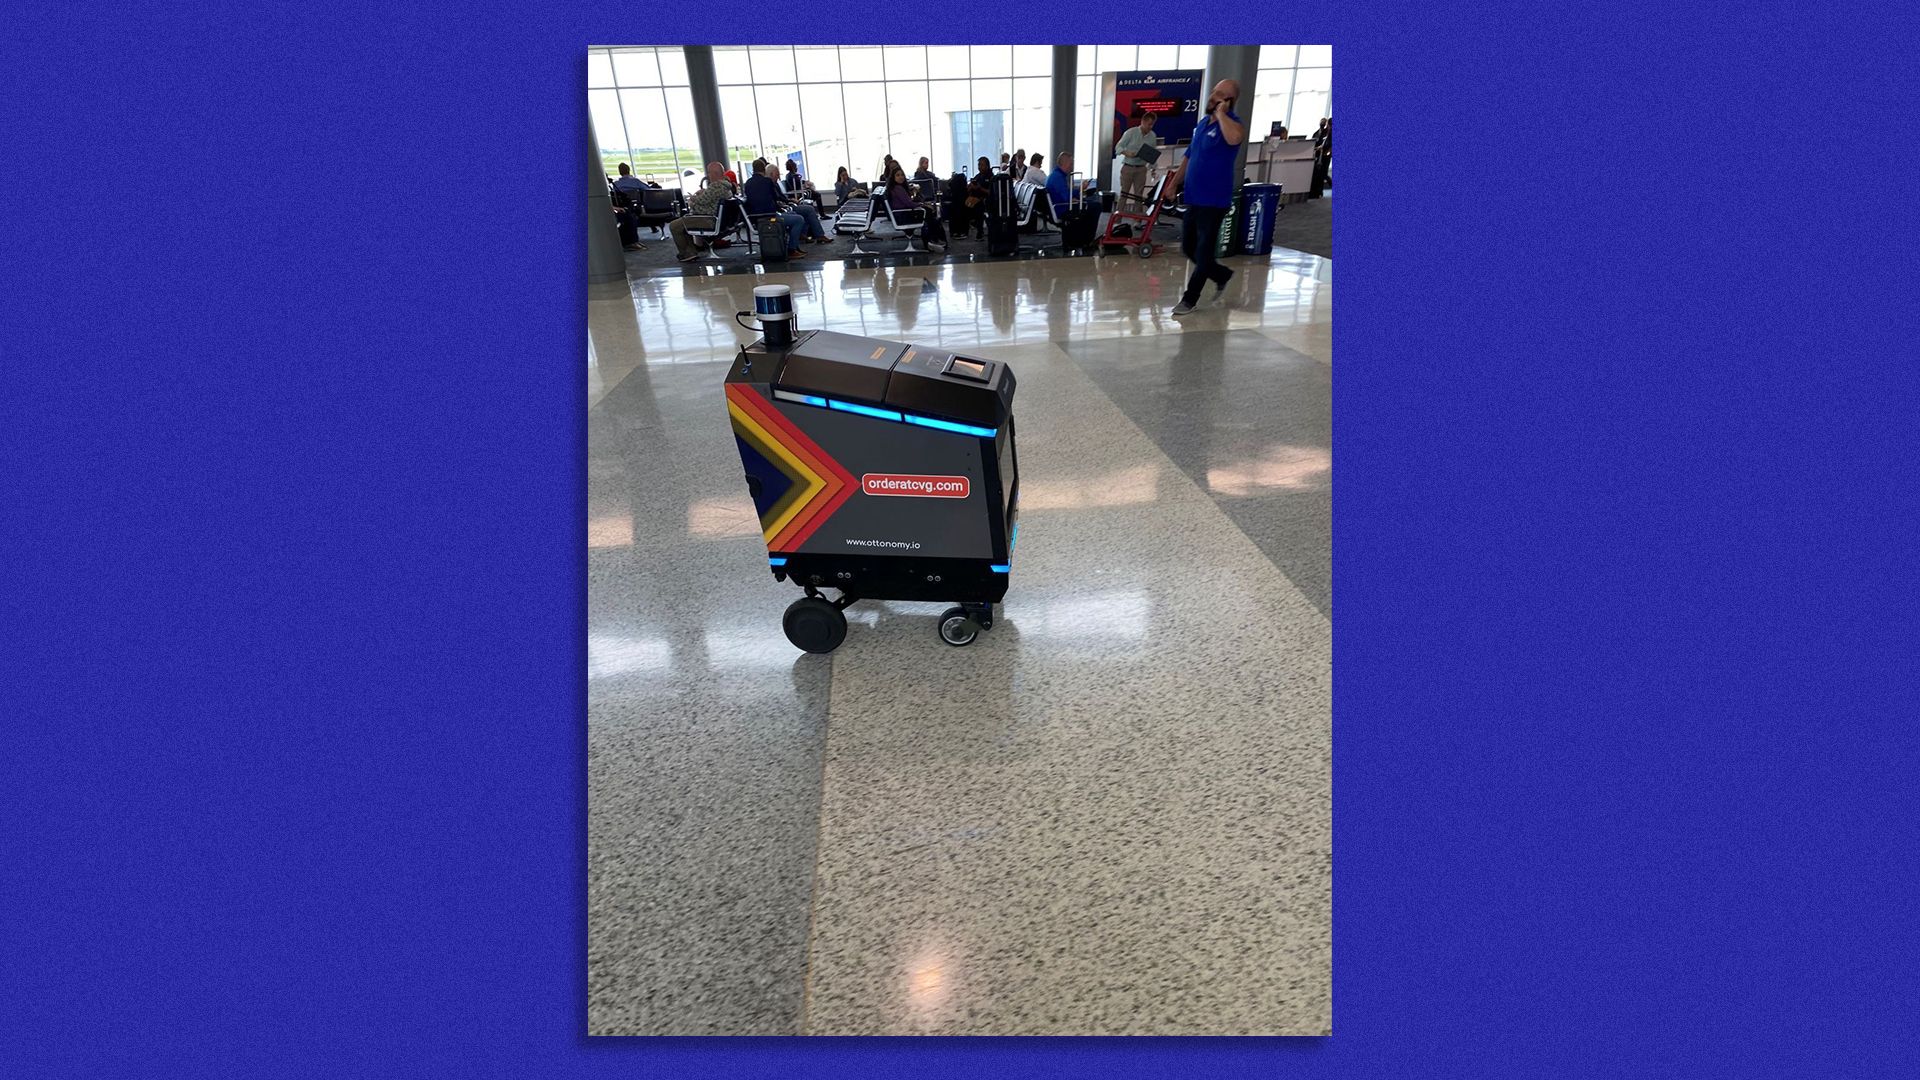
pixel 831 106
pixel 642 113
pixel 823 114
pixel 863 97
pixel 1032 113
pixel 1294 87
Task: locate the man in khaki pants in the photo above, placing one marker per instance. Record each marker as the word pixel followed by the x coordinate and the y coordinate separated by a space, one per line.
pixel 1134 169
pixel 702 210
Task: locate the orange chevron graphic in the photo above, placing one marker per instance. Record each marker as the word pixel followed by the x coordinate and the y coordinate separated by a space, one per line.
pixel 840 484
pixel 821 484
pixel 806 482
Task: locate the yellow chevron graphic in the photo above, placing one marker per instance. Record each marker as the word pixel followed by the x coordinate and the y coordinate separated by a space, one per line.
pixel 807 483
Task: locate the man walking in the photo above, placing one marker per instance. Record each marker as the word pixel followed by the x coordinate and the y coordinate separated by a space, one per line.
pixel 1207 175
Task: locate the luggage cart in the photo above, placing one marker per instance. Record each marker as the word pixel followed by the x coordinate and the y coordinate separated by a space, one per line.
pixel 881 470
pixel 1140 222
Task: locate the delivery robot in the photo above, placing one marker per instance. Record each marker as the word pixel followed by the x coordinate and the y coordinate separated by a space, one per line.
pixel 880 470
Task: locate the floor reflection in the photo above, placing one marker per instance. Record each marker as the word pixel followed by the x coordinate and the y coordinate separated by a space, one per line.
pixel 690 319
pixel 1284 468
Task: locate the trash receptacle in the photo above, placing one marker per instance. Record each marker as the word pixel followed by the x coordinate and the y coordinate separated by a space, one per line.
pixel 1258 205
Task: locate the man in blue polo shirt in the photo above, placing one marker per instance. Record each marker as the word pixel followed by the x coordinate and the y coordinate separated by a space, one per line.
pixel 1207 175
pixel 1078 224
pixel 1060 186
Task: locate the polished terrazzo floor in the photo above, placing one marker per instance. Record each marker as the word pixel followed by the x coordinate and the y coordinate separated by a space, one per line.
pixel 1109 815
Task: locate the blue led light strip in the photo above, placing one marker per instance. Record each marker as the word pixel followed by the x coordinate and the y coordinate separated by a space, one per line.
pixel 948 425
pixel 777 560
pixel 889 414
pixel 1007 567
pixel 863 410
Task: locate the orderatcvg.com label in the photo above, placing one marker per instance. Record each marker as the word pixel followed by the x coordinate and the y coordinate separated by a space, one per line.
pixel 923 487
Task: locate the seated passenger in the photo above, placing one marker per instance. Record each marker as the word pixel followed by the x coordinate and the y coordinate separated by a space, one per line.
pixel 702 210
pixel 926 185
pixel 763 200
pixel 900 195
pixel 626 207
pixel 808 212
pixel 1060 186
pixel 979 198
pixel 797 187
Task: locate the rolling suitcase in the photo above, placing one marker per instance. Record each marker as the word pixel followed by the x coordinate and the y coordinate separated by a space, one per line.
pixel 1077 229
pixel 1081 221
pixel 1003 237
pixel 773 239
pixel 1003 230
pixel 1002 201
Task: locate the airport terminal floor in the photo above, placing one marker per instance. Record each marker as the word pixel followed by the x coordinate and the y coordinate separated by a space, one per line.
pixel 1108 815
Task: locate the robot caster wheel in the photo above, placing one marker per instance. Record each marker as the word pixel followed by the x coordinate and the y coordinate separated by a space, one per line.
pixel 814 624
pixel 960 625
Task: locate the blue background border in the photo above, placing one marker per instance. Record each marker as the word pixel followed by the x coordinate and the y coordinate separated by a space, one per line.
pixel 1624 672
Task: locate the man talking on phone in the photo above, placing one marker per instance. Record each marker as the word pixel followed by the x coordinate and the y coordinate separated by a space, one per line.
pixel 1207 175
